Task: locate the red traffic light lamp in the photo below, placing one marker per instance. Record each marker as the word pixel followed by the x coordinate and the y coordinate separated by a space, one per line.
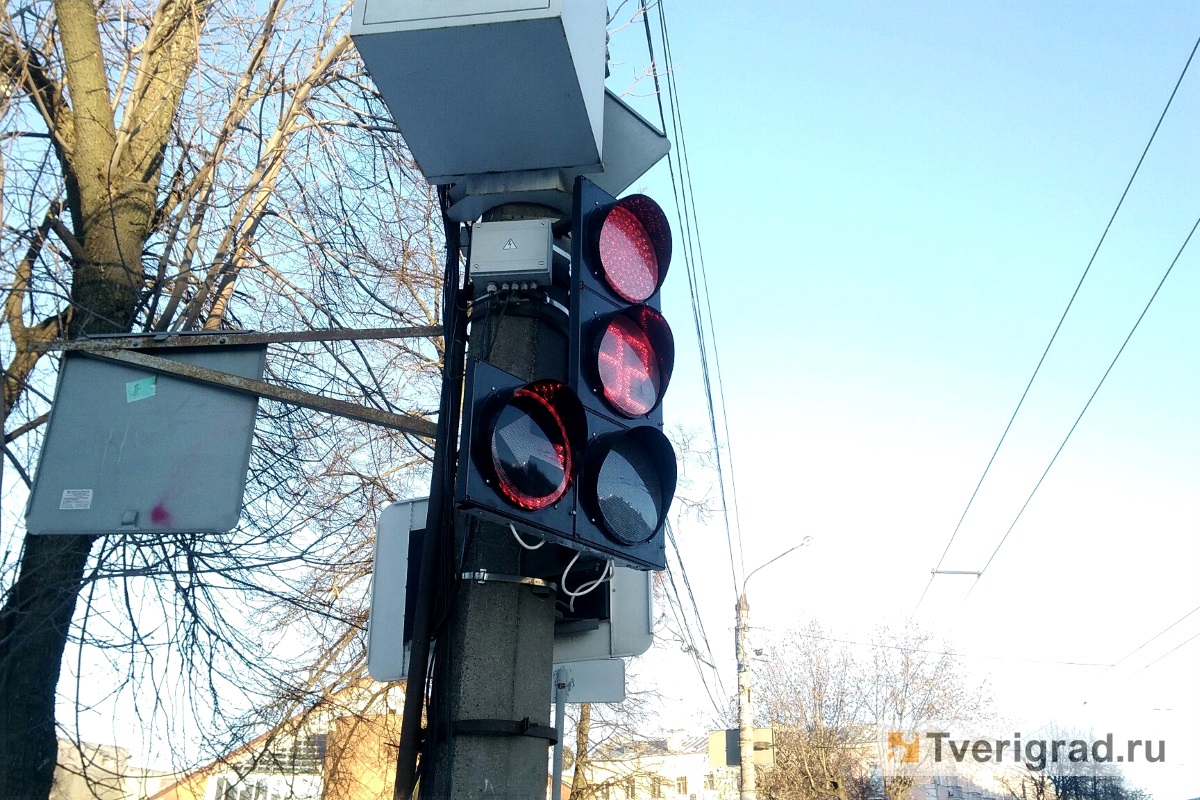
pixel 532 436
pixel 628 244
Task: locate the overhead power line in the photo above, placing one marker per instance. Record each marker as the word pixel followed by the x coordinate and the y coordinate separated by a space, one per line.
pixel 1155 636
pixel 689 638
pixel 1169 652
pixel 1058 327
pixel 1086 405
pixel 951 653
pixel 693 255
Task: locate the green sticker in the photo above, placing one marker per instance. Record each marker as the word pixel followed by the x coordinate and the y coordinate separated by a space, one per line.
pixel 139 390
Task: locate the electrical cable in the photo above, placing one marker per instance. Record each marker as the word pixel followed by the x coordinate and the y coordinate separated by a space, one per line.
pixel 440 522
pixel 696 608
pixel 605 576
pixel 1088 404
pixel 690 205
pixel 675 604
pixel 1149 641
pixel 687 584
pixel 522 542
pixel 681 205
pixel 1155 636
pixel 1169 652
pixel 1058 327
pixel 684 632
pixel 698 292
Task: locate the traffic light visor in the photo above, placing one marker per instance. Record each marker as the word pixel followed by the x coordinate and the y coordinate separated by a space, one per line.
pixel 630 483
pixel 634 357
pixel 534 437
pixel 633 246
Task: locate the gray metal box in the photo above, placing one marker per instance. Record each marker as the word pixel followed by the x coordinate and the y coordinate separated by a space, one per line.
pixel 127 450
pixel 388 651
pixel 479 86
pixel 512 251
pixel 629 632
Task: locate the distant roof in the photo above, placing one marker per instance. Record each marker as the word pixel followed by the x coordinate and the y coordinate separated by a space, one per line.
pixel 628 748
pixel 693 744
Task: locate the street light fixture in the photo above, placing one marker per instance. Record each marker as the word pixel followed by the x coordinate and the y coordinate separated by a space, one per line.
pixel 745 717
pixel 806 540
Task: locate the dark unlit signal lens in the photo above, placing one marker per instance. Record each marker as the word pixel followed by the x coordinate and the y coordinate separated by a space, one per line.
pixel 632 483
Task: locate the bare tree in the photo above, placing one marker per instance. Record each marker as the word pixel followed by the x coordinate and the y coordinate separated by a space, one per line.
pixel 102 212
pixel 811 693
pixel 913 681
pixel 828 708
pixel 1027 784
pixel 613 734
pixel 1070 782
pixel 196 166
pixel 1061 764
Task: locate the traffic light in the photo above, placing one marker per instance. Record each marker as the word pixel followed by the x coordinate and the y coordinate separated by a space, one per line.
pixel 621 358
pixel 585 463
pixel 520 451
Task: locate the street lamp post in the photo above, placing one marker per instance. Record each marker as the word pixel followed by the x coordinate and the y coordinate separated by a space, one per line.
pixel 745 720
pixel 745 716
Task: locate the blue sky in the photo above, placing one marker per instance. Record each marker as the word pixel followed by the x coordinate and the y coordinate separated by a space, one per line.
pixel 895 203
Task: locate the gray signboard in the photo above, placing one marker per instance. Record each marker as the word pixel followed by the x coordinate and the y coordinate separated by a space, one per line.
pixel 127 450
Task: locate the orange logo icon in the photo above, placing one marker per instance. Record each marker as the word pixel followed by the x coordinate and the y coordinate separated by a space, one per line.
pixel 903 751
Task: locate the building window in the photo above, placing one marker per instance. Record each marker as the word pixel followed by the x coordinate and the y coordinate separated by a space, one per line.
pixel 656 788
pixel 681 785
pixel 710 782
pixel 629 788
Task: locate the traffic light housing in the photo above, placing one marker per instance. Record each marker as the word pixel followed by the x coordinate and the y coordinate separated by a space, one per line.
pixel 521 446
pixel 584 463
pixel 622 354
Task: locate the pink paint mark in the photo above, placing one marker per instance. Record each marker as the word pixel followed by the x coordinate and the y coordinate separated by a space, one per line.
pixel 160 515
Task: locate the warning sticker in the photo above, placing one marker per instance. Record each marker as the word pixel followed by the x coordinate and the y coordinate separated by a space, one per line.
pixel 75 500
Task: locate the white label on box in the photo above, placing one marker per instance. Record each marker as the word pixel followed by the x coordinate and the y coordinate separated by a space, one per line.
pixel 75 500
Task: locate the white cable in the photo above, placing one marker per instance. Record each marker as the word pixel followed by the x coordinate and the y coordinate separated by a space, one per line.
pixel 605 575
pixel 550 301
pixel 521 541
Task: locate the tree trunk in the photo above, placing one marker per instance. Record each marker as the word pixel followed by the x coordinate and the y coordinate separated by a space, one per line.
pixel 33 633
pixel 35 620
pixel 112 177
pixel 579 782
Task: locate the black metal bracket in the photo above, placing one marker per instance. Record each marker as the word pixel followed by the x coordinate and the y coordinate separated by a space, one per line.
pixel 505 727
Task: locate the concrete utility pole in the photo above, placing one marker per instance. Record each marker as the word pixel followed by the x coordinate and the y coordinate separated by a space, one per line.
pixel 531 117
pixel 745 708
pixel 745 715
pixel 501 632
